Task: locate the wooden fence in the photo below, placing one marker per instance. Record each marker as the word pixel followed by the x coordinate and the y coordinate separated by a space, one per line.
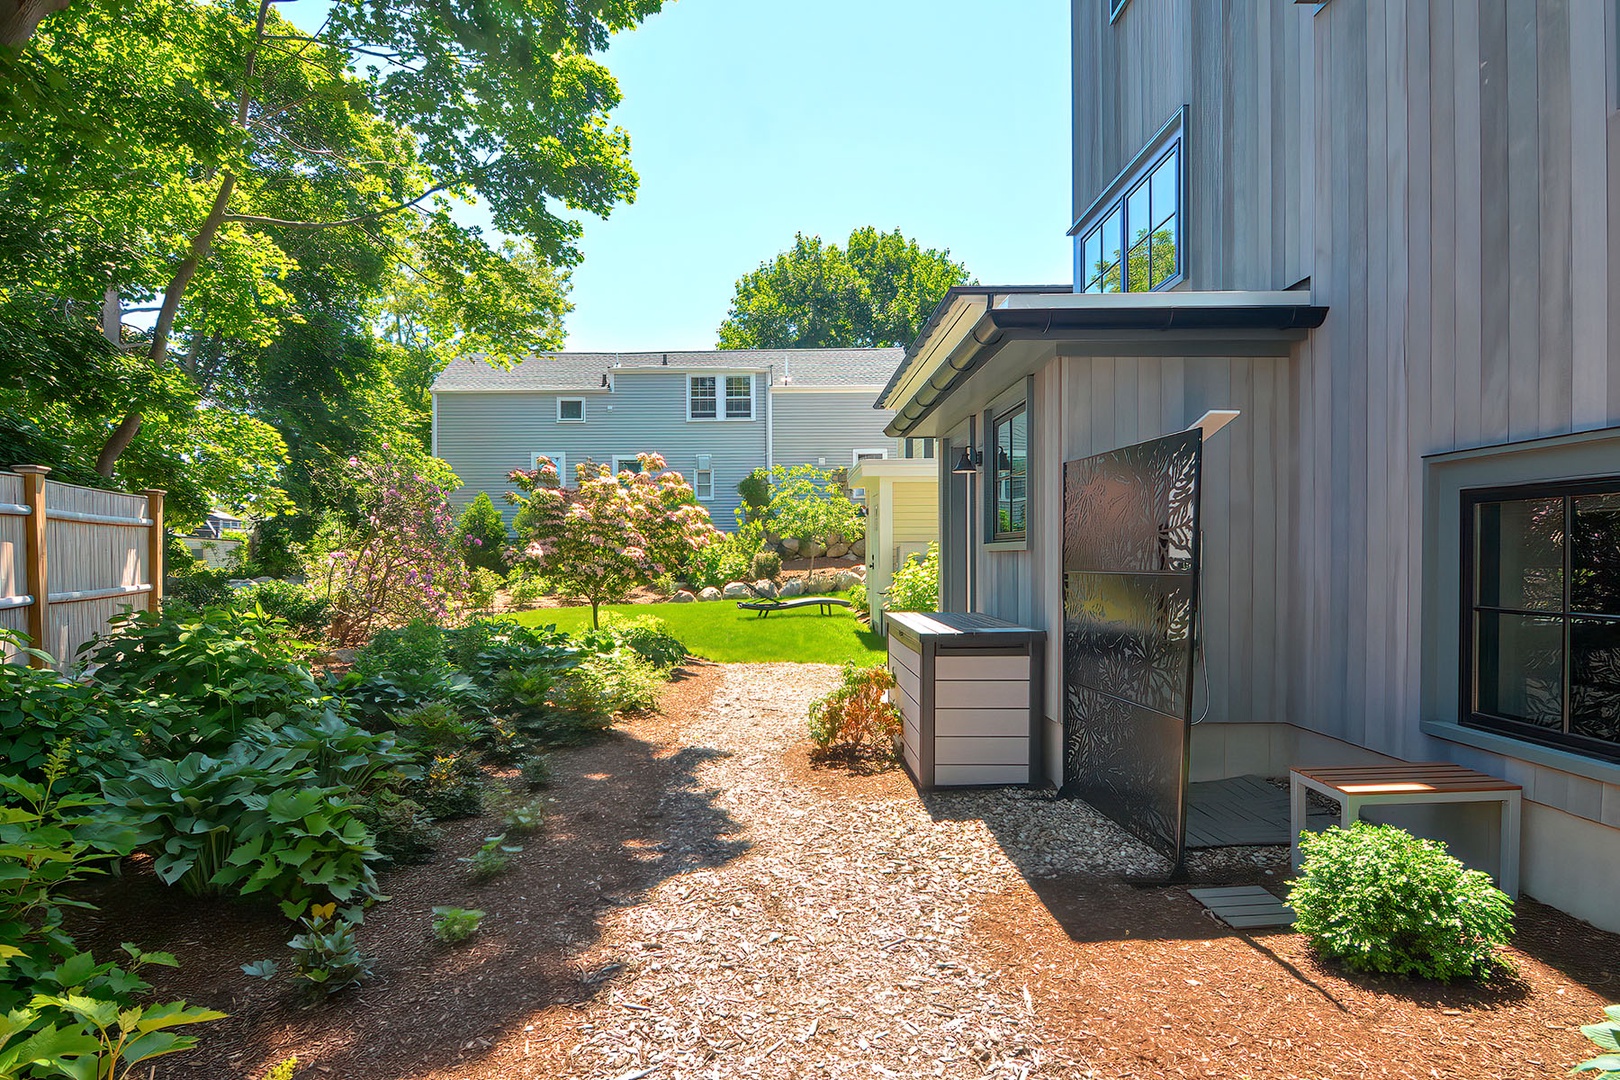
pixel 72 557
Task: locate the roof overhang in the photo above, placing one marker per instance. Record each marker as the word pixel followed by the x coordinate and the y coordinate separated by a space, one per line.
pixel 972 326
pixel 893 469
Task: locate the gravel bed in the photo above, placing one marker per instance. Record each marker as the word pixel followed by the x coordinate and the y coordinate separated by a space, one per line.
pixel 839 944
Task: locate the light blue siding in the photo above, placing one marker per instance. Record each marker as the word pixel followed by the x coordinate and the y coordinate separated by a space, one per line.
pixel 832 425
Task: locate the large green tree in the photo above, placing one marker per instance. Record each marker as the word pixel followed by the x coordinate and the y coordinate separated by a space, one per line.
pixel 195 158
pixel 876 290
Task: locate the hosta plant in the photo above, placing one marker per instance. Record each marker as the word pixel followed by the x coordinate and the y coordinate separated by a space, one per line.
pixel 1606 1037
pixel 452 924
pixel 1378 899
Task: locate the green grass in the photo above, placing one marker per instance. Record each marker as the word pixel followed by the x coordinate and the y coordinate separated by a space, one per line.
pixel 719 631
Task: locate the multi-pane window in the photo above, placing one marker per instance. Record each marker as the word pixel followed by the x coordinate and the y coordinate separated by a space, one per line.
pixel 701 403
pixel 739 397
pixel 1135 244
pixel 1541 656
pixel 1009 474
pixel 703 484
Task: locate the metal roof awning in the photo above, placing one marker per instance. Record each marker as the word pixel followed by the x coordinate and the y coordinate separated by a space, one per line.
pixel 975 323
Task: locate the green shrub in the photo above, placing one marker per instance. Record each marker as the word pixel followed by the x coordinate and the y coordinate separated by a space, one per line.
pixel 402 830
pixel 189 581
pixel 1379 899
pixel 41 711
pixel 728 559
pixel 482 588
pixel 524 586
pixel 767 565
pixel 524 817
pixel 482 533
pixel 453 925
pixel 1606 1037
pixel 438 728
pixel 600 687
pixel 858 600
pixel 755 489
pixel 645 635
pixel 855 717
pixel 451 786
pixel 327 954
pixel 305 611
pixel 491 859
pixel 536 771
pixel 916 584
pixel 401 670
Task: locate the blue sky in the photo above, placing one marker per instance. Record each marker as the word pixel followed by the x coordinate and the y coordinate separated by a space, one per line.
pixel 751 120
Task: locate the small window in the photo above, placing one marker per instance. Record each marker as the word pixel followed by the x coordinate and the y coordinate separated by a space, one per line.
pixel 739 397
pixel 560 460
pixel 703 484
pixel 1541 640
pixel 701 401
pixel 879 454
pixel 1009 469
pixel 1133 243
pixel 626 463
pixel 570 410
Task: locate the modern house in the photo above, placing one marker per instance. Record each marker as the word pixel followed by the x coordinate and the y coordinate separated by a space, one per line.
pixel 714 416
pixel 901 499
pixel 1388 236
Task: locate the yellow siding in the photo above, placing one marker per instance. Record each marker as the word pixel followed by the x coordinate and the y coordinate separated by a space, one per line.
pixel 915 512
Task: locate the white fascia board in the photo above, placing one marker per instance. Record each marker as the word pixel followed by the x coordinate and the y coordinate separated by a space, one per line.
pixel 849 388
pixel 543 391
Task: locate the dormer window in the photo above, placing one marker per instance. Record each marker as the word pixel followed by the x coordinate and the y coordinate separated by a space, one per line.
pixel 1131 238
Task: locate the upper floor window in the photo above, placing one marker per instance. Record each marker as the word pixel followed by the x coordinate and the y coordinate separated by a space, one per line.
pixel 716 397
pixel 1541 595
pixel 1115 7
pixel 1131 238
pixel 1008 470
pixel 571 410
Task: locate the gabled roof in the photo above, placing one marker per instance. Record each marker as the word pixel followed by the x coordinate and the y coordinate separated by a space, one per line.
pixel 809 368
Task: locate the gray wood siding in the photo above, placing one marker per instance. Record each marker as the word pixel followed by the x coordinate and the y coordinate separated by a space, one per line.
pixel 808 426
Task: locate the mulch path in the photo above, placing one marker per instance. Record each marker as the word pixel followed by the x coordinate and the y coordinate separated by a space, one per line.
pixel 709 902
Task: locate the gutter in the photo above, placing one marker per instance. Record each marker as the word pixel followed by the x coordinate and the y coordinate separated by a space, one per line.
pixel 433 395
pixel 770 416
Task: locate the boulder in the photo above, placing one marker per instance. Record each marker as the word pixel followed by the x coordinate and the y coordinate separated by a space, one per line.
pixel 765 587
pixel 838 550
pixel 682 597
pixel 858 548
pixel 711 593
pixel 790 546
pixel 846 580
pixel 821 584
pixel 812 549
pixel 735 590
pixel 791 587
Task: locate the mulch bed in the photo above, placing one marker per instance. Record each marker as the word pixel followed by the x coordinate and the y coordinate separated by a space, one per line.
pixel 709 901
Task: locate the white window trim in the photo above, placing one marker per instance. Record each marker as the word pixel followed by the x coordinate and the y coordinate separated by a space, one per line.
pixel 558 459
pixel 697 474
pixel 1172 133
pixel 720 378
pixel 561 419
pixel 619 459
pixel 880 453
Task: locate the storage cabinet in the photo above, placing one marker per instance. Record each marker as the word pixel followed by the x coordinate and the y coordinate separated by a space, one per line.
pixel 968 687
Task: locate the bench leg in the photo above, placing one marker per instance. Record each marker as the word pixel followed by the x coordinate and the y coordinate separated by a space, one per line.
pixel 1509 882
pixel 1296 816
pixel 1349 811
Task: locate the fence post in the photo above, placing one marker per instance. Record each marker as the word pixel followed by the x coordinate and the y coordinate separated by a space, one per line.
pixel 154 547
pixel 34 554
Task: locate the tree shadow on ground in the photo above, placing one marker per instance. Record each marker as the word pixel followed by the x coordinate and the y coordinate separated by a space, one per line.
pixel 623 818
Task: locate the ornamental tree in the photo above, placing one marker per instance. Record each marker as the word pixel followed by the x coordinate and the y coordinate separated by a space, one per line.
pixel 808 503
pixel 600 539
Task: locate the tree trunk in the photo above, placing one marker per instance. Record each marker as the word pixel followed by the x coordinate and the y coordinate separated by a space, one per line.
pixel 20 18
pixel 596 623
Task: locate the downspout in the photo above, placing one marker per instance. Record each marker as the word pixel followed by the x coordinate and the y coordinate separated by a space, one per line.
pixel 433 395
pixel 770 417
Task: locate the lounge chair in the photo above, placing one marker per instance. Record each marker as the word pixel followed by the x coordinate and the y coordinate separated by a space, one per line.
pixel 763 605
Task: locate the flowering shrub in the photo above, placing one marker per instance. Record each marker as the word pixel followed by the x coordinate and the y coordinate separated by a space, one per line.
pixel 403 561
pixel 482 533
pixel 599 540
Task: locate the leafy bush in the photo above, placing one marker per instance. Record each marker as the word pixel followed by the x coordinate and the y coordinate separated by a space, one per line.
pixel 1381 900
pixel 402 830
pixel 729 558
pixel 858 600
pixel 525 585
pixel 1606 1037
pixel 645 635
pixel 812 504
pixel 482 533
pixel 400 670
pixel 451 786
pixel 524 817
pixel 190 582
pixel 41 711
pixel 453 925
pixel 604 685
pixel 755 489
pixel 327 954
pixel 483 587
pixel 855 717
pixel 536 771
pixel 767 565
pixel 438 728
pixel 305 611
pixel 916 584
pixel 491 859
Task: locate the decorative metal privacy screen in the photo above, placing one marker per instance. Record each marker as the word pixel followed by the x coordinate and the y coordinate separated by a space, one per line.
pixel 1130 602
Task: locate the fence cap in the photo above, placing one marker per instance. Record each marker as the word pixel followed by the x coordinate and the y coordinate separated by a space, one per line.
pixel 153 491
pixel 28 470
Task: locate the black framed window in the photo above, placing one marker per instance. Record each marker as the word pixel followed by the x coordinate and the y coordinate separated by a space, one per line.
pixel 1541 614
pixel 1008 469
pixel 1134 244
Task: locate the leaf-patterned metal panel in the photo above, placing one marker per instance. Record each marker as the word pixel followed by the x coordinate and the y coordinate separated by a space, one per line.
pixel 1130 604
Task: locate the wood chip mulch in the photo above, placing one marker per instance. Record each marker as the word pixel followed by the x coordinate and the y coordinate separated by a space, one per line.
pixel 709 903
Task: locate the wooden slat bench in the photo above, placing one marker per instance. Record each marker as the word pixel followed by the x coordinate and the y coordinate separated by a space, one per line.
pixel 1407 783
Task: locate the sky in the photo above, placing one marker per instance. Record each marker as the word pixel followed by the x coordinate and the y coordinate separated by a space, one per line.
pixel 751 120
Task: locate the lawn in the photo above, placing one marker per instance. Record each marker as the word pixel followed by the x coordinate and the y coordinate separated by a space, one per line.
pixel 719 631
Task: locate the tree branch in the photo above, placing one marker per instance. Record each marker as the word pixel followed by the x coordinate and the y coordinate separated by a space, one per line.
pixel 20 18
pixel 257 219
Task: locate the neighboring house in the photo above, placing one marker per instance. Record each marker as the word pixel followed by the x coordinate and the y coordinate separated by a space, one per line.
pixel 901 497
pixel 208 541
pixel 714 416
pixel 1389 234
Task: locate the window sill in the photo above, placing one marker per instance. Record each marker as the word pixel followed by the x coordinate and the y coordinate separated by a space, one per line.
pixel 1007 545
pixel 1606 772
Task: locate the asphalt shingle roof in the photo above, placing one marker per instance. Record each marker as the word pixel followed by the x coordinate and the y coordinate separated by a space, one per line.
pixel 584 371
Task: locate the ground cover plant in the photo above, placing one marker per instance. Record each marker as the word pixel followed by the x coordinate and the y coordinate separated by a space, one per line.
pixel 453 925
pixel 1378 899
pixel 722 633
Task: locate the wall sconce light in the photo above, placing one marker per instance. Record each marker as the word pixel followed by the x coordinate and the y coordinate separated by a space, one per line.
pixel 968 462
